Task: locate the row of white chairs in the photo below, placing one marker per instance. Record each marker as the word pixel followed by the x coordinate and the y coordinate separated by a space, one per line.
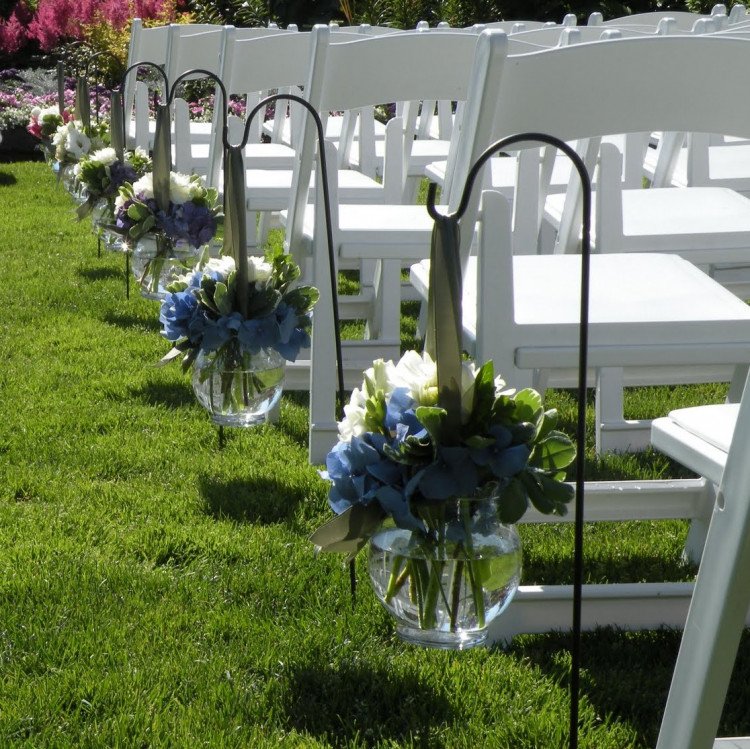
pixel 652 312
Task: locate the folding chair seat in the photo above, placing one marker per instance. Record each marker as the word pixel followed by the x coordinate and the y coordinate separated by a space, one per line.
pixel 634 98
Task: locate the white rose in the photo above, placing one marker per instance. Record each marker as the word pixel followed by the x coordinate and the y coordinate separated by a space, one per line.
pixel 144 186
pixel 418 373
pixel 382 375
pixel 222 266
pixel 353 423
pixel 105 156
pixel 180 188
pixel 35 113
pixel 47 112
pixel 61 134
pixel 258 269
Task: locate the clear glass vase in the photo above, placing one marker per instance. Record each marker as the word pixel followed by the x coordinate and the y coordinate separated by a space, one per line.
pixel 72 184
pixel 444 587
pixel 158 260
pixel 103 225
pixel 237 388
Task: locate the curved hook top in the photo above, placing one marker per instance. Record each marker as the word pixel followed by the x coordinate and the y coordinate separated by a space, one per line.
pixel 145 64
pixel 488 153
pixel 512 140
pixel 74 45
pixel 277 97
pixel 215 78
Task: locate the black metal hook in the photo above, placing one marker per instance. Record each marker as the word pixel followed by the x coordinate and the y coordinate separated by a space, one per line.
pixel 171 93
pixel 323 183
pixel 583 174
pixel 145 64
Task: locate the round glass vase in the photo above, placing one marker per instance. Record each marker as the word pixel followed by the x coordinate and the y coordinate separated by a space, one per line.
pixel 445 587
pixel 237 388
pixel 72 184
pixel 103 226
pixel 158 260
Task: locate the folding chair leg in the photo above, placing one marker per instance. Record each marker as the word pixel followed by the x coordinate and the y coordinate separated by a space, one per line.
pixel 613 432
pixel 386 320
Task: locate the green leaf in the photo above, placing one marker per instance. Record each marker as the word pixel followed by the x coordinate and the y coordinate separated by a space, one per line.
pixel 528 405
pixel 348 532
pixel 555 452
pixel 222 299
pixel 546 494
pixel 375 412
pixel 513 502
pixel 138 211
pixel 263 302
pixel 548 423
pixel 432 418
pixel 303 298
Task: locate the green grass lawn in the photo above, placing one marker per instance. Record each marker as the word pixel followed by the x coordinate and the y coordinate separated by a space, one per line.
pixel 157 591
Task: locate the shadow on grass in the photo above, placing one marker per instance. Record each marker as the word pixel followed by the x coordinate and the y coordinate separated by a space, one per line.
pixel 625 675
pixel 352 703
pixel 100 274
pixel 292 421
pixel 608 568
pixel 148 322
pixel 173 395
pixel 261 500
pixel 6 180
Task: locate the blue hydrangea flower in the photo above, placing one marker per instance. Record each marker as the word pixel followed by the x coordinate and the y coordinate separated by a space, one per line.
pixel 502 458
pixel 176 315
pixel 119 174
pixel 257 333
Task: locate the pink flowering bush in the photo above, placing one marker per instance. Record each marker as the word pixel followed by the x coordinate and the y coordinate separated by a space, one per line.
pixel 58 21
pixel 14 32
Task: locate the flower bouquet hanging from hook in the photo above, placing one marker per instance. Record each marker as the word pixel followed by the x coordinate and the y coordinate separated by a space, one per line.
pixel 167 218
pixel 238 319
pixel 436 461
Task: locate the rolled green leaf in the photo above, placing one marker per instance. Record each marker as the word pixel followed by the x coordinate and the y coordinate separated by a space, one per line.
pixel 348 532
pixel 235 222
pixel 60 86
pixel 117 123
pixel 162 158
pixel 444 322
pixel 83 103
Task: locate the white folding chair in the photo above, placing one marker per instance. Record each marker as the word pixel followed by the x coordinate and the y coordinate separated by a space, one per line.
pixel 409 66
pixel 146 45
pixel 683 20
pixel 713 441
pixel 522 311
pixel 634 98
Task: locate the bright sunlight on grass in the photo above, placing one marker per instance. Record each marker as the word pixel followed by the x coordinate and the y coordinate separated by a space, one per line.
pixel 157 591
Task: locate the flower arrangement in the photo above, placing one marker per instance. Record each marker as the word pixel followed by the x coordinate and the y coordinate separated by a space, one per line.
pixel 399 458
pixel 201 316
pixel 190 217
pixel 44 122
pixel 102 174
pixel 72 141
pixel 167 242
